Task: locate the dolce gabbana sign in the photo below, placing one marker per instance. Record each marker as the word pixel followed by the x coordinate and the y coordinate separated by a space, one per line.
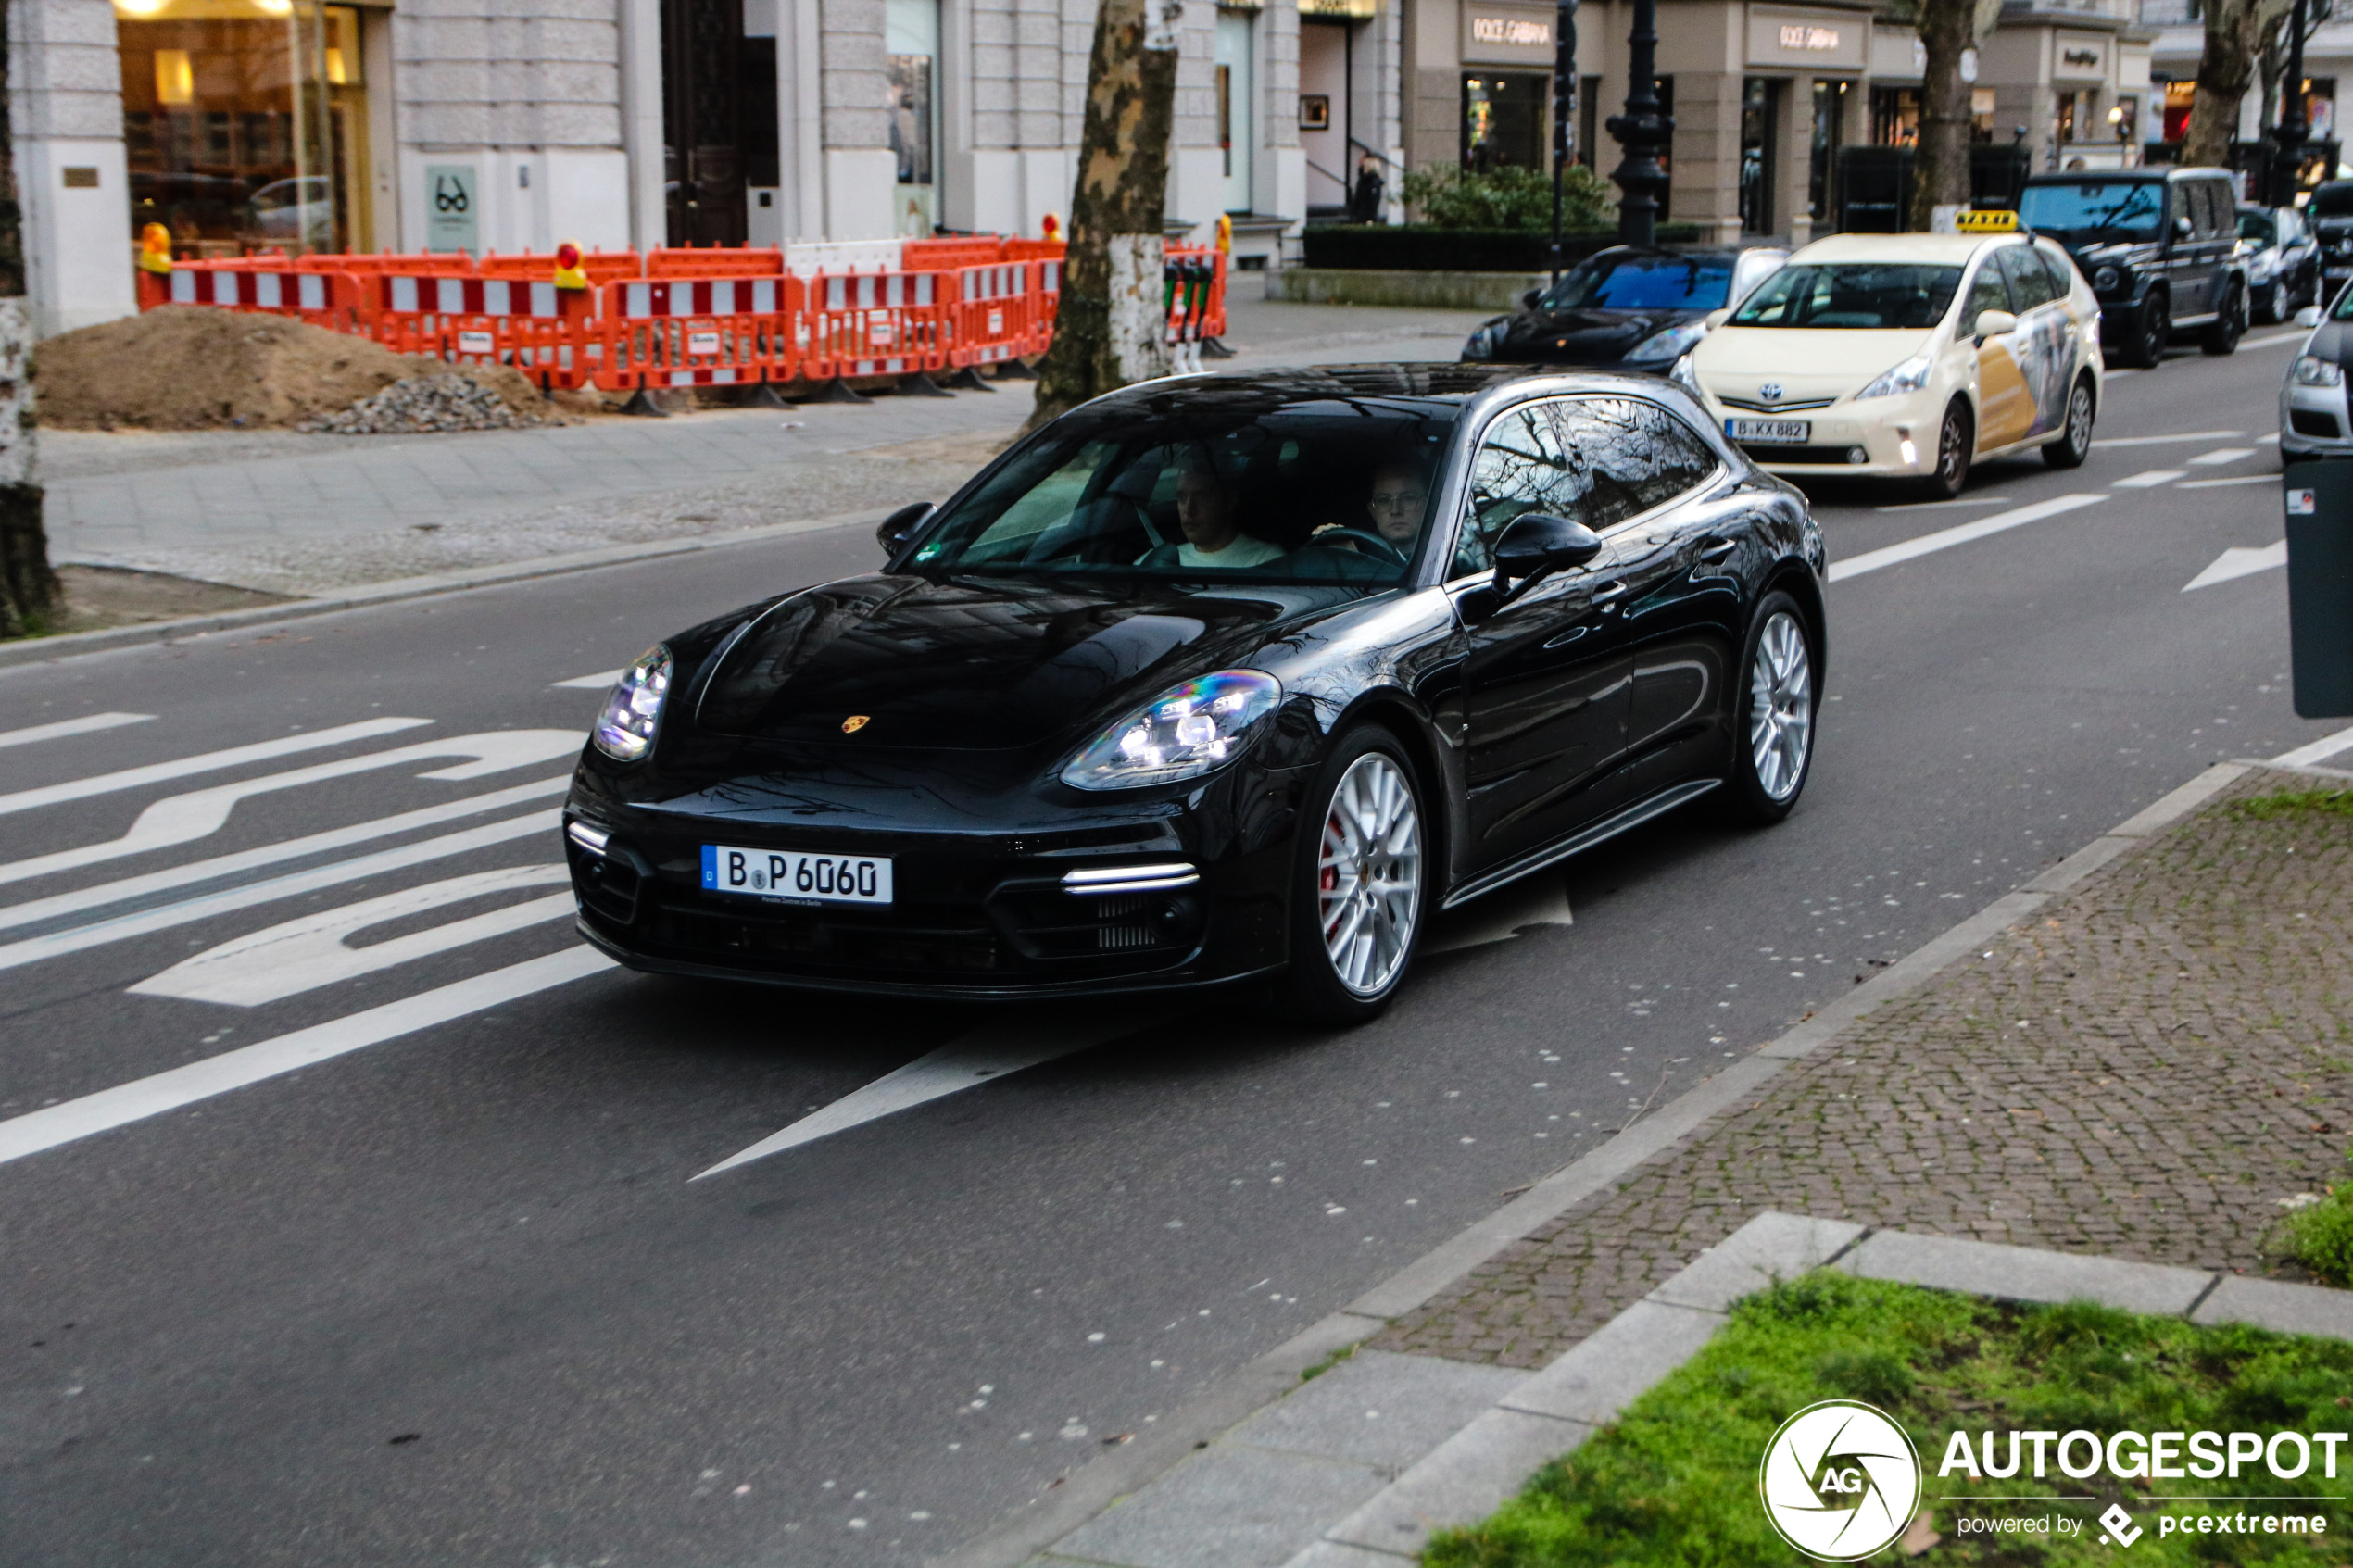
pixel 1507 35
pixel 1823 39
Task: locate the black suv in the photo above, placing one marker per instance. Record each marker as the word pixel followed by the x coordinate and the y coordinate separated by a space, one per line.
pixel 2160 247
pixel 2331 214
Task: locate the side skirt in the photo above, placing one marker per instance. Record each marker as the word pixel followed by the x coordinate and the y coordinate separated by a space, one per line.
pixel 1633 817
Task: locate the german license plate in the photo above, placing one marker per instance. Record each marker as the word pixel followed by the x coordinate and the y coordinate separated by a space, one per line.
pixel 1771 433
pixel 802 876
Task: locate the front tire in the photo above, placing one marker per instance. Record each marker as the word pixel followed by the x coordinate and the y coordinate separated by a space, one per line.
pixel 1359 880
pixel 1773 744
pixel 2074 444
pixel 2222 334
pixel 2154 330
pixel 1956 445
pixel 2270 305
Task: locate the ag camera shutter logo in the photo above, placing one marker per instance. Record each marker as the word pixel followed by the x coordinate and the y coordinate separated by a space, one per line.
pixel 1840 1480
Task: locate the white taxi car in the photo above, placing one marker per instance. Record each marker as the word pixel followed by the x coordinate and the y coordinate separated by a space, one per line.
pixel 1908 356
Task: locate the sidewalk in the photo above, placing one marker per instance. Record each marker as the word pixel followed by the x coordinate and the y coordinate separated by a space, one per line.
pixel 2141 1057
pixel 308 514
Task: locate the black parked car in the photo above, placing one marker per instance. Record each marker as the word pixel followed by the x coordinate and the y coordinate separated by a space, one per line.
pixel 2329 212
pixel 1635 309
pixel 2159 247
pixel 2282 262
pixel 1211 680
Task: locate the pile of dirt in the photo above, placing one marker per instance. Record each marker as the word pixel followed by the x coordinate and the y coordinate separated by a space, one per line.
pixel 186 367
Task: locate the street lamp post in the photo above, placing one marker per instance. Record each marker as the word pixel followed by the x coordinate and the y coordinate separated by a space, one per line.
pixel 2294 128
pixel 1564 106
pixel 1644 133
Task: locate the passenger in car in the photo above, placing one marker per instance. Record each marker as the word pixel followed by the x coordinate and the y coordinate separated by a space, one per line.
pixel 1206 509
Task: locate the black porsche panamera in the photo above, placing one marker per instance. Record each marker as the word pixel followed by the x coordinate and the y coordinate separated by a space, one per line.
pixel 1216 680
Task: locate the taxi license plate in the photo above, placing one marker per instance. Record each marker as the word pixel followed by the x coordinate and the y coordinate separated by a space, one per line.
pixel 802 876
pixel 1771 433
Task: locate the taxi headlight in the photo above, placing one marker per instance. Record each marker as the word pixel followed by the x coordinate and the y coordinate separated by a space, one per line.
pixel 2311 371
pixel 1909 376
pixel 625 729
pixel 1186 731
pixel 1671 344
pixel 1683 375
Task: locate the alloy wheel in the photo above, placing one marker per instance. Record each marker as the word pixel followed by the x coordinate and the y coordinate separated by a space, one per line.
pixel 1952 451
pixel 1781 706
pixel 1368 875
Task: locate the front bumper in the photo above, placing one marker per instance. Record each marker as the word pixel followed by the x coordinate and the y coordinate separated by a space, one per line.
pixel 976 916
pixel 2314 421
pixel 1879 428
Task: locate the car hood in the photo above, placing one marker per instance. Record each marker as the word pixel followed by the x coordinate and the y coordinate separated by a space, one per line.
pixel 2330 341
pixel 1584 337
pixel 972 663
pixel 1804 363
pixel 2091 253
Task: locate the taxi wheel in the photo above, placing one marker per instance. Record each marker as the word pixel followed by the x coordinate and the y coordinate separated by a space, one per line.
pixel 2074 444
pixel 2222 335
pixel 1357 901
pixel 1955 443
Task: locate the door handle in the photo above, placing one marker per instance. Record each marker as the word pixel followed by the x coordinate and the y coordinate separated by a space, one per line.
pixel 1609 593
pixel 1714 550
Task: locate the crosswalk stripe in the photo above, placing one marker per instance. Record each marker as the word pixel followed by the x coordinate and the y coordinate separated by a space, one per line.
pixel 591 682
pixel 54 1125
pixel 203 763
pixel 88 724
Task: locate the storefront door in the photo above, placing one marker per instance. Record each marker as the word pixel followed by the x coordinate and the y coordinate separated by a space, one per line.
pixel 1761 125
pixel 703 163
pixel 912 41
pixel 1323 112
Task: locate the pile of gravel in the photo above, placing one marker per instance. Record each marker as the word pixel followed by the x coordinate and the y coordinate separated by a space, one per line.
pixel 424 405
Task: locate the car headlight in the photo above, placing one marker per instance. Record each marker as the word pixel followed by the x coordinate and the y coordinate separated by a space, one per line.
pixel 2108 279
pixel 625 729
pixel 1672 343
pixel 1184 731
pixel 1909 376
pixel 1484 338
pixel 2311 371
pixel 1683 375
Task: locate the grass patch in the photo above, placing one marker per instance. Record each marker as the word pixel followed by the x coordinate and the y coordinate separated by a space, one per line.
pixel 1312 1373
pixel 2294 803
pixel 1674 1482
pixel 2319 1236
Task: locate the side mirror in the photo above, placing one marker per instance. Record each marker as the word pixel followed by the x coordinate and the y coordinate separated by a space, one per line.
pixel 1717 318
pixel 2183 229
pixel 900 526
pixel 1528 301
pixel 1993 323
pixel 1537 543
pixel 2309 316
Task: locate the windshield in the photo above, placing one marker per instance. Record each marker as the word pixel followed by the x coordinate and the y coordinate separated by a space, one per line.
pixel 1237 488
pixel 2117 209
pixel 1644 283
pixel 1856 294
pixel 2332 200
pixel 2257 228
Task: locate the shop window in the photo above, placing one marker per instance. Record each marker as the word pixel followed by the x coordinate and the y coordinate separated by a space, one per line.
pixel 911 96
pixel 1589 122
pixel 1895 117
pixel 1760 106
pixel 1981 114
pixel 2179 96
pixel 1503 120
pixel 244 122
pixel 2071 111
pixel 1829 135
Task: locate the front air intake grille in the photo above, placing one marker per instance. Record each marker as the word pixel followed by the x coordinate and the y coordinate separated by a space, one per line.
pixel 1049 923
pixel 1832 456
pixel 2312 421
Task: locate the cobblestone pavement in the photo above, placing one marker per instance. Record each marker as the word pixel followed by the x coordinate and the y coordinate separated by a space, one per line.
pixel 2145 1071
pixel 300 514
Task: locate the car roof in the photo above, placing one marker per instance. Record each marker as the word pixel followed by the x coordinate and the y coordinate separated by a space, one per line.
pixel 1952 250
pixel 1433 383
pixel 2117 176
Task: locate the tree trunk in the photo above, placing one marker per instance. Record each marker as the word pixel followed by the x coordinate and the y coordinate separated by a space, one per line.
pixel 30 596
pixel 1939 164
pixel 2236 33
pixel 1111 326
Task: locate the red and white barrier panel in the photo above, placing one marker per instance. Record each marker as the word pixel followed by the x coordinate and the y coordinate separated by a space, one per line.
pixel 874 324
pixel 715 331
pixel 991 314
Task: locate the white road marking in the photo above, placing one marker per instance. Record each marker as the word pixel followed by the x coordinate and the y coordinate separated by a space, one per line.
pixel 313 950
pixel 206 762
pixel 89 723
pixel 2105 441
pixel 1961 534
pixel 2316 751
pixel 2239 561
pixel 135 1101
pixel 181 818
pixel 1933 506
pixel 85 899
pixel 989 1052
pixel 143 923
pixel 1502 915
pixel 2147 479
pixel 2272 440
pixel 2220 456
pixel 2234 478
pixel 592 682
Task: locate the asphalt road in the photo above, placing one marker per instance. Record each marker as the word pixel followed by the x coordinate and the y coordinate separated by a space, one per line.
pixel 453 1297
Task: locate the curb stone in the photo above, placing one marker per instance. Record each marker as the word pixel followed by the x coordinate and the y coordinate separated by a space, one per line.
pixel 1116 1478
pixel 29 651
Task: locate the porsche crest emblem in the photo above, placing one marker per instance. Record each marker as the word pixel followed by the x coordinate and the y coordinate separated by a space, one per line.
pixel 854 724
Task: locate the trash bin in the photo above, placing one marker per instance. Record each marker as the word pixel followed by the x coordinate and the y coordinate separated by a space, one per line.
pixel 2320 586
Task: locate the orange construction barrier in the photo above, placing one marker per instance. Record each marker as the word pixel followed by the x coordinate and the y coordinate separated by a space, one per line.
pixel 949 254
pixel 266 285
pixel 424 264
pixel 547 333
pixel 685 261
pixel 602 265
pixel 990 316
pixel 700 331
pixel 874 324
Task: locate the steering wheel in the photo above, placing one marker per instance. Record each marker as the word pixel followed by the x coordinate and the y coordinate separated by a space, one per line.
pixel 1380 546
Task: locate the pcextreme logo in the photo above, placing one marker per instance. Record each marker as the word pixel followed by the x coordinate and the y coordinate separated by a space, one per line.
pixel 1840 1480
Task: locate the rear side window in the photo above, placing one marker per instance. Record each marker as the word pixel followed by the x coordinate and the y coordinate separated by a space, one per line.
pixel 2062 273
pixel 2030 285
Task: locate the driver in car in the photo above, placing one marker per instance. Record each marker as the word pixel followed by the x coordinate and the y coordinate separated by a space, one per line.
pixel 1399 496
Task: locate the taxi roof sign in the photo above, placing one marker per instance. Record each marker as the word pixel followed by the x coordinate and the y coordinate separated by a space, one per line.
pixel 1986 221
